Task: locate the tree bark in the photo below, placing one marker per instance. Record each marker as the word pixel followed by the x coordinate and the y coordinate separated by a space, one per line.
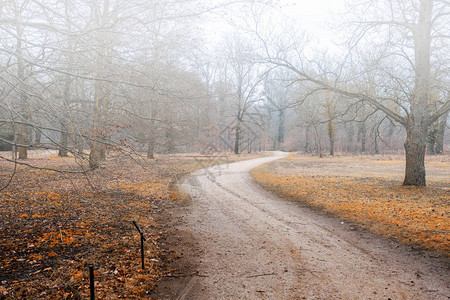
pixel 376 147
pixel 150 150
pixel 170 145
pixel 418 121
pixel 95 157
pixel 318 143
pixel 376 135
pixel 23 140
pixel 350 135
pixel 306 149
pixel 237 137
pixel 23 130
pixel 64 141
pixel 37 137
pixel 66 100
pixel 97 150
pixel 97 153
pixel 151 142
pixel 431 145
pixel 439 148
pixel 415 147
pixel 331 135
pixel 331 115
pixel 362 136
pixel 78 141
pixel 281 118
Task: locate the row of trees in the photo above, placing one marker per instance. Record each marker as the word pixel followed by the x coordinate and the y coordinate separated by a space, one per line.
pixel 136 77
pixel 396 61
pixel 98 75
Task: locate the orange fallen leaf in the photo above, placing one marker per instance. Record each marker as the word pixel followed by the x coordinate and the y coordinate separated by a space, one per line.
pixel 77 276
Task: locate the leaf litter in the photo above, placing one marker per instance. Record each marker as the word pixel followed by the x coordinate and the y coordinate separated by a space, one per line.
pixel 367 191
pixel 54 225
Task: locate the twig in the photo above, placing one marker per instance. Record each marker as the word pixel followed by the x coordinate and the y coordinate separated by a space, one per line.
pixel 42 168
pixel 174 276
pixel 10 178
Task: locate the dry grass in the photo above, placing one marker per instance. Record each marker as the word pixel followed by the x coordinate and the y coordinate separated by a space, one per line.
pixel 54 225
pixel 368 191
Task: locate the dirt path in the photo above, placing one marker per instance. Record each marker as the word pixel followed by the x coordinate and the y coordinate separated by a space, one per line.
pixel 253 245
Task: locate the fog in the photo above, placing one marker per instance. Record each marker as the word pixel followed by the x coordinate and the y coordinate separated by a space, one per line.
pixel 91 78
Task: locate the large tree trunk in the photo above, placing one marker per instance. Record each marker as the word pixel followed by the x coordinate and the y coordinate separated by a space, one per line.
pixel 237 137
pixel 331 135
pixel 350 135
pixel 431 145
pixel 281 119
pixel 23 130
pixel 64 141
pixel 415 147
pixel 66 100
pixel 151 140
pixel 152 133
pixel 306 149
pixel 23 140
pixel 331 115
pixel 97 150
pixel 318 142
pixel 362 136
pixel 103 42
pixel 37 137
pixel 150 150
pixel 170 139
pixel 95 156
pixel 97 153
pixel 418 121
pixel 78 143
pixel 376 147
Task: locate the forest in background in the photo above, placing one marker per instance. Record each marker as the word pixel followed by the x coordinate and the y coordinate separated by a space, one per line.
pixel 92 77
pixel 105 105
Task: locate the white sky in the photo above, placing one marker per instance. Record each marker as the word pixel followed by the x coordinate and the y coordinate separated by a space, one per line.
pixel 314 15
pixel 311 15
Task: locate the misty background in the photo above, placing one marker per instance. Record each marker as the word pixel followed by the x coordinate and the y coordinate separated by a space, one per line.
pixel 92 77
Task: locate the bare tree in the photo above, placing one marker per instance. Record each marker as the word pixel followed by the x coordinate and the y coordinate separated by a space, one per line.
pixel 404 36
pixel 330 108
pixel 278 96
pixel 244 77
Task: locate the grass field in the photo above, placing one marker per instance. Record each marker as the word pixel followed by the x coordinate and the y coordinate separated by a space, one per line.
pixel 54 225
pixel 367 191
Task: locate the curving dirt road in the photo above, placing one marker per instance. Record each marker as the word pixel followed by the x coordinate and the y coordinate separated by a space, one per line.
pixel 254 245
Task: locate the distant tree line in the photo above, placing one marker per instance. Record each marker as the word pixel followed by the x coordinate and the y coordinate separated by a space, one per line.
pixel 88 78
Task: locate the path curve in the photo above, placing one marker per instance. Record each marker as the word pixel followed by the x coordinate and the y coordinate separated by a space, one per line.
pixel 255 245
